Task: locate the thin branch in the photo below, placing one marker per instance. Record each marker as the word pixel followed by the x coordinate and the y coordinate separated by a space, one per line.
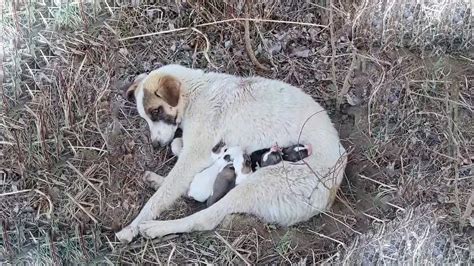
pixel 248 47
pixel 333 49
pixel 224 21
pixel 232 248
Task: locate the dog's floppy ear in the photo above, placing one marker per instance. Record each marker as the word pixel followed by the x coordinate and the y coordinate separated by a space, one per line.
pixel 169 90
pixel 129 93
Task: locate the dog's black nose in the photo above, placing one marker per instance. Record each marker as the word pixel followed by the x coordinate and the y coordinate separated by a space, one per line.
pixel 156 144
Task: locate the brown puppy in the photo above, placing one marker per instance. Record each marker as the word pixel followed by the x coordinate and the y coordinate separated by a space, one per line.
pixel 225 181
pixel 236 171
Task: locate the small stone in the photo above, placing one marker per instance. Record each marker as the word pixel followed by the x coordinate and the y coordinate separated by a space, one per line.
pixel 301 53
pixel 173 47
pixel 275 48
pixel 352 99
pixel 123 51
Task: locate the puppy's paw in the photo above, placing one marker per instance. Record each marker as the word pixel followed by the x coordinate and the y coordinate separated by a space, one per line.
pixel 127 234
pixel 153 180
pixel 177 146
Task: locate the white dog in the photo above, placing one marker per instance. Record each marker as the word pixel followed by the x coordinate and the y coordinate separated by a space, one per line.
pixel 252 113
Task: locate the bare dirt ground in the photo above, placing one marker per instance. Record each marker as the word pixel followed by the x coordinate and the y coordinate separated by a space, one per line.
pixel 396 78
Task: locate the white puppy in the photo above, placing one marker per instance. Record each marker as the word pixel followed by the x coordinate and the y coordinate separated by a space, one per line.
pixel 201 186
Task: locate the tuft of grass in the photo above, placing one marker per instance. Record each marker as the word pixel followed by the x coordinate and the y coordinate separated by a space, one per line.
pixel 67 17
pixel 284 244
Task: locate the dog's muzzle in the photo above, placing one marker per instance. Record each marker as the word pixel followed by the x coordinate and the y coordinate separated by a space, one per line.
pixel 156 144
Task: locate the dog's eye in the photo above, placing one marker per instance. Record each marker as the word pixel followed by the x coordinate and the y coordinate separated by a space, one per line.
pixel 156 113
pixel 225 149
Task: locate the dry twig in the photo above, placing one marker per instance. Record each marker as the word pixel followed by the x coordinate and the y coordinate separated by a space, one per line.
pixel 333 50
pixel 221 22
pixel 248 47
pixel 232 248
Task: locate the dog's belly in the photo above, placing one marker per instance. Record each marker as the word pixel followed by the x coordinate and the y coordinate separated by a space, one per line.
pixel 258 134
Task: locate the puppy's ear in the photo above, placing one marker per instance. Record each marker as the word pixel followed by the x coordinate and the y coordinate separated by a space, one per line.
pixel 131 87
pixel 169 90
pixel 248 163
pixel 247 158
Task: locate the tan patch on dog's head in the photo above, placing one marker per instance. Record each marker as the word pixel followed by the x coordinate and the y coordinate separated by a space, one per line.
pixel 161 95
pixel 160 101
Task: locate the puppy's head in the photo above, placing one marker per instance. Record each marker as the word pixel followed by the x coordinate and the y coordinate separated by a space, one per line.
pixel 272 157
pixel 218 150
pixel 159 99
pixel 246 165
pixel 242 162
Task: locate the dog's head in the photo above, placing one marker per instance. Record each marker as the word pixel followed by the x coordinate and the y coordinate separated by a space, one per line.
pixel 159 98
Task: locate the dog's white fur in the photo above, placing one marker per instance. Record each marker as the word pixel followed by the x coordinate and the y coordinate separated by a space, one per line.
pixel 253 113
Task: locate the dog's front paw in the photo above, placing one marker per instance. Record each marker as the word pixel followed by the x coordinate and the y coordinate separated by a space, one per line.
pixel 154 229
pixel 150 229
pixel 177 146
pixel 127 234
pixel 152 179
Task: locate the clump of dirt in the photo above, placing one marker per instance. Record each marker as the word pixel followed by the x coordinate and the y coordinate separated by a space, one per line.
pixel 73 149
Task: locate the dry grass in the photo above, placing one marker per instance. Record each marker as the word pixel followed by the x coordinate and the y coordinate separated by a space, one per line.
pixel 73 150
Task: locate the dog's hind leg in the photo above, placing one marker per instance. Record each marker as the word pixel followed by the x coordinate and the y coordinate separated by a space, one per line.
pixel 204 220
pixel 280 195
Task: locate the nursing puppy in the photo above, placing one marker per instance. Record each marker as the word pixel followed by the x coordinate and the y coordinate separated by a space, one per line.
pixel 274 155
pixel 296 152
pixel 201 187
pixel 265 157
pixel 233 174
pixel 225 181
pixel 242 166
pixel 210 107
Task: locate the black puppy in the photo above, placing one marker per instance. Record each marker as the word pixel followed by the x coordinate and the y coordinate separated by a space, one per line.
pixel 296 152
pixel 274 155
pixel 265 157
